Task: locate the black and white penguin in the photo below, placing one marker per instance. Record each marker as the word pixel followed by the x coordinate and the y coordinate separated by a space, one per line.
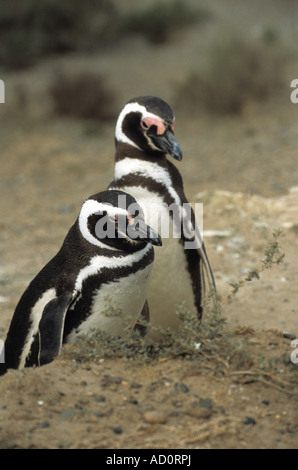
pixel 144 135
pixel 100 272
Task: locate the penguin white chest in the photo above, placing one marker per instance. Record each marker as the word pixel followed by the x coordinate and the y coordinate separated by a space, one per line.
pixel 170 285
pixel 117 305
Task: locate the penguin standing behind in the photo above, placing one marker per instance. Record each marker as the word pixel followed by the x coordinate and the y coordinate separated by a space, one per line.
pixel 101 270
pixel 144 135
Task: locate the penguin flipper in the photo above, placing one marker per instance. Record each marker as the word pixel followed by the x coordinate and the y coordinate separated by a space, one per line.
pixel 205 267
pixel 51 326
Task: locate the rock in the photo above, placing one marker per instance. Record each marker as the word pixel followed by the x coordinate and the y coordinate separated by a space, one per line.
pixel 181 387
pixel 135 385
pixel 67 414
pixel 110 380
pixel 83 401
pixel 155 417
pixel 249 420
pixel 117 430
pixel 199 413
pixel 45 424
pixel 205 403
pixel 100 398
pixel 133 401
pixel 288 335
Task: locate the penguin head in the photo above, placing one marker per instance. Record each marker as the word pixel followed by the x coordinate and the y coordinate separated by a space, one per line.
pixel 148 123
pixel 113 219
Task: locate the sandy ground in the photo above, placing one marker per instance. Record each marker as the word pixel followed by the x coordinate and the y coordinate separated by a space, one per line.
pixel 244 170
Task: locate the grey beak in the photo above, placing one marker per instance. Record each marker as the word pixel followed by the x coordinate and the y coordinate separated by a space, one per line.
pixel 142 231
pixel 168 144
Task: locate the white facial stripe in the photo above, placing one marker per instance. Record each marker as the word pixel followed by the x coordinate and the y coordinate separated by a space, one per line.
pixel 131 108
pixel 92 207
pixel 148 169
pixel 99 262
pixel 35 317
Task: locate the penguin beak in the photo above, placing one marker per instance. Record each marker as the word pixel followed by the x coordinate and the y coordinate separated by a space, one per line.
pixel 168 144
pixel 141 231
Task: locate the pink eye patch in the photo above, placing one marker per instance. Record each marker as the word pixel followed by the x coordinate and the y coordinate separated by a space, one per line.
pixel 151 121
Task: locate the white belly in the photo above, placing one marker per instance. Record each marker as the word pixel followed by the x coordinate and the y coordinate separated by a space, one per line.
pixel 116 306
pixel 170 288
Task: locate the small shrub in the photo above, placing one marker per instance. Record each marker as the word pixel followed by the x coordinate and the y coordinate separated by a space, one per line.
pixel 34 29
pixel 273 255
pixel 238 73
pixel 160 19
pixel 192 340
pixel 83 95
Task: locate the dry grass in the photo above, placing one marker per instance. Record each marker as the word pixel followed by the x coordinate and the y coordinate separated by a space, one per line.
pixel 239 72
pixel 84 95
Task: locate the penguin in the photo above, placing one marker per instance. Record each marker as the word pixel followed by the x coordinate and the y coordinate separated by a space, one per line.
pixel 144 136
pixel 97 280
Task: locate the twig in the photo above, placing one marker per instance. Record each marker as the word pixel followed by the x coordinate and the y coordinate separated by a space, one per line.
pixel 267 382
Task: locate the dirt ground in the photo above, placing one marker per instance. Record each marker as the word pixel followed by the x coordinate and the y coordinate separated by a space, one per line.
pixel 244 170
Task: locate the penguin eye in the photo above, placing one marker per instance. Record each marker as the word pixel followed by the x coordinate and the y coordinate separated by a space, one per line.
pixel 155 124
pixel 144 125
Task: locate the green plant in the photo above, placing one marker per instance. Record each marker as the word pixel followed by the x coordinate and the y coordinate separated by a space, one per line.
pixel 188 341
pixel 273 255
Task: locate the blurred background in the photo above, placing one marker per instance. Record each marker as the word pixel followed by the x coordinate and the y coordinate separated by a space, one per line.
pixel 225 67
pixel 69 66
pixel 216 62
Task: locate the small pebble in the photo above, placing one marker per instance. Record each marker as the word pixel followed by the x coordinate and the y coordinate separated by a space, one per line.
pixel 184 388
pixel 78 407
pixel 200 413
pixel 288 335
pixel 153 386
pixel 100 398
pixel 205 403
pixel 117 430
pixel 181 387
pixel 265 402
pixel 133 401
pixel 155 417
pixel 67 413
pixel 135 385
pixel 45 424
pixel 109 380
pixel 249 420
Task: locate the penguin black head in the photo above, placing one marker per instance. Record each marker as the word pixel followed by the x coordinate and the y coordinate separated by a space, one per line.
pixel 114 219
pixel 148 123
